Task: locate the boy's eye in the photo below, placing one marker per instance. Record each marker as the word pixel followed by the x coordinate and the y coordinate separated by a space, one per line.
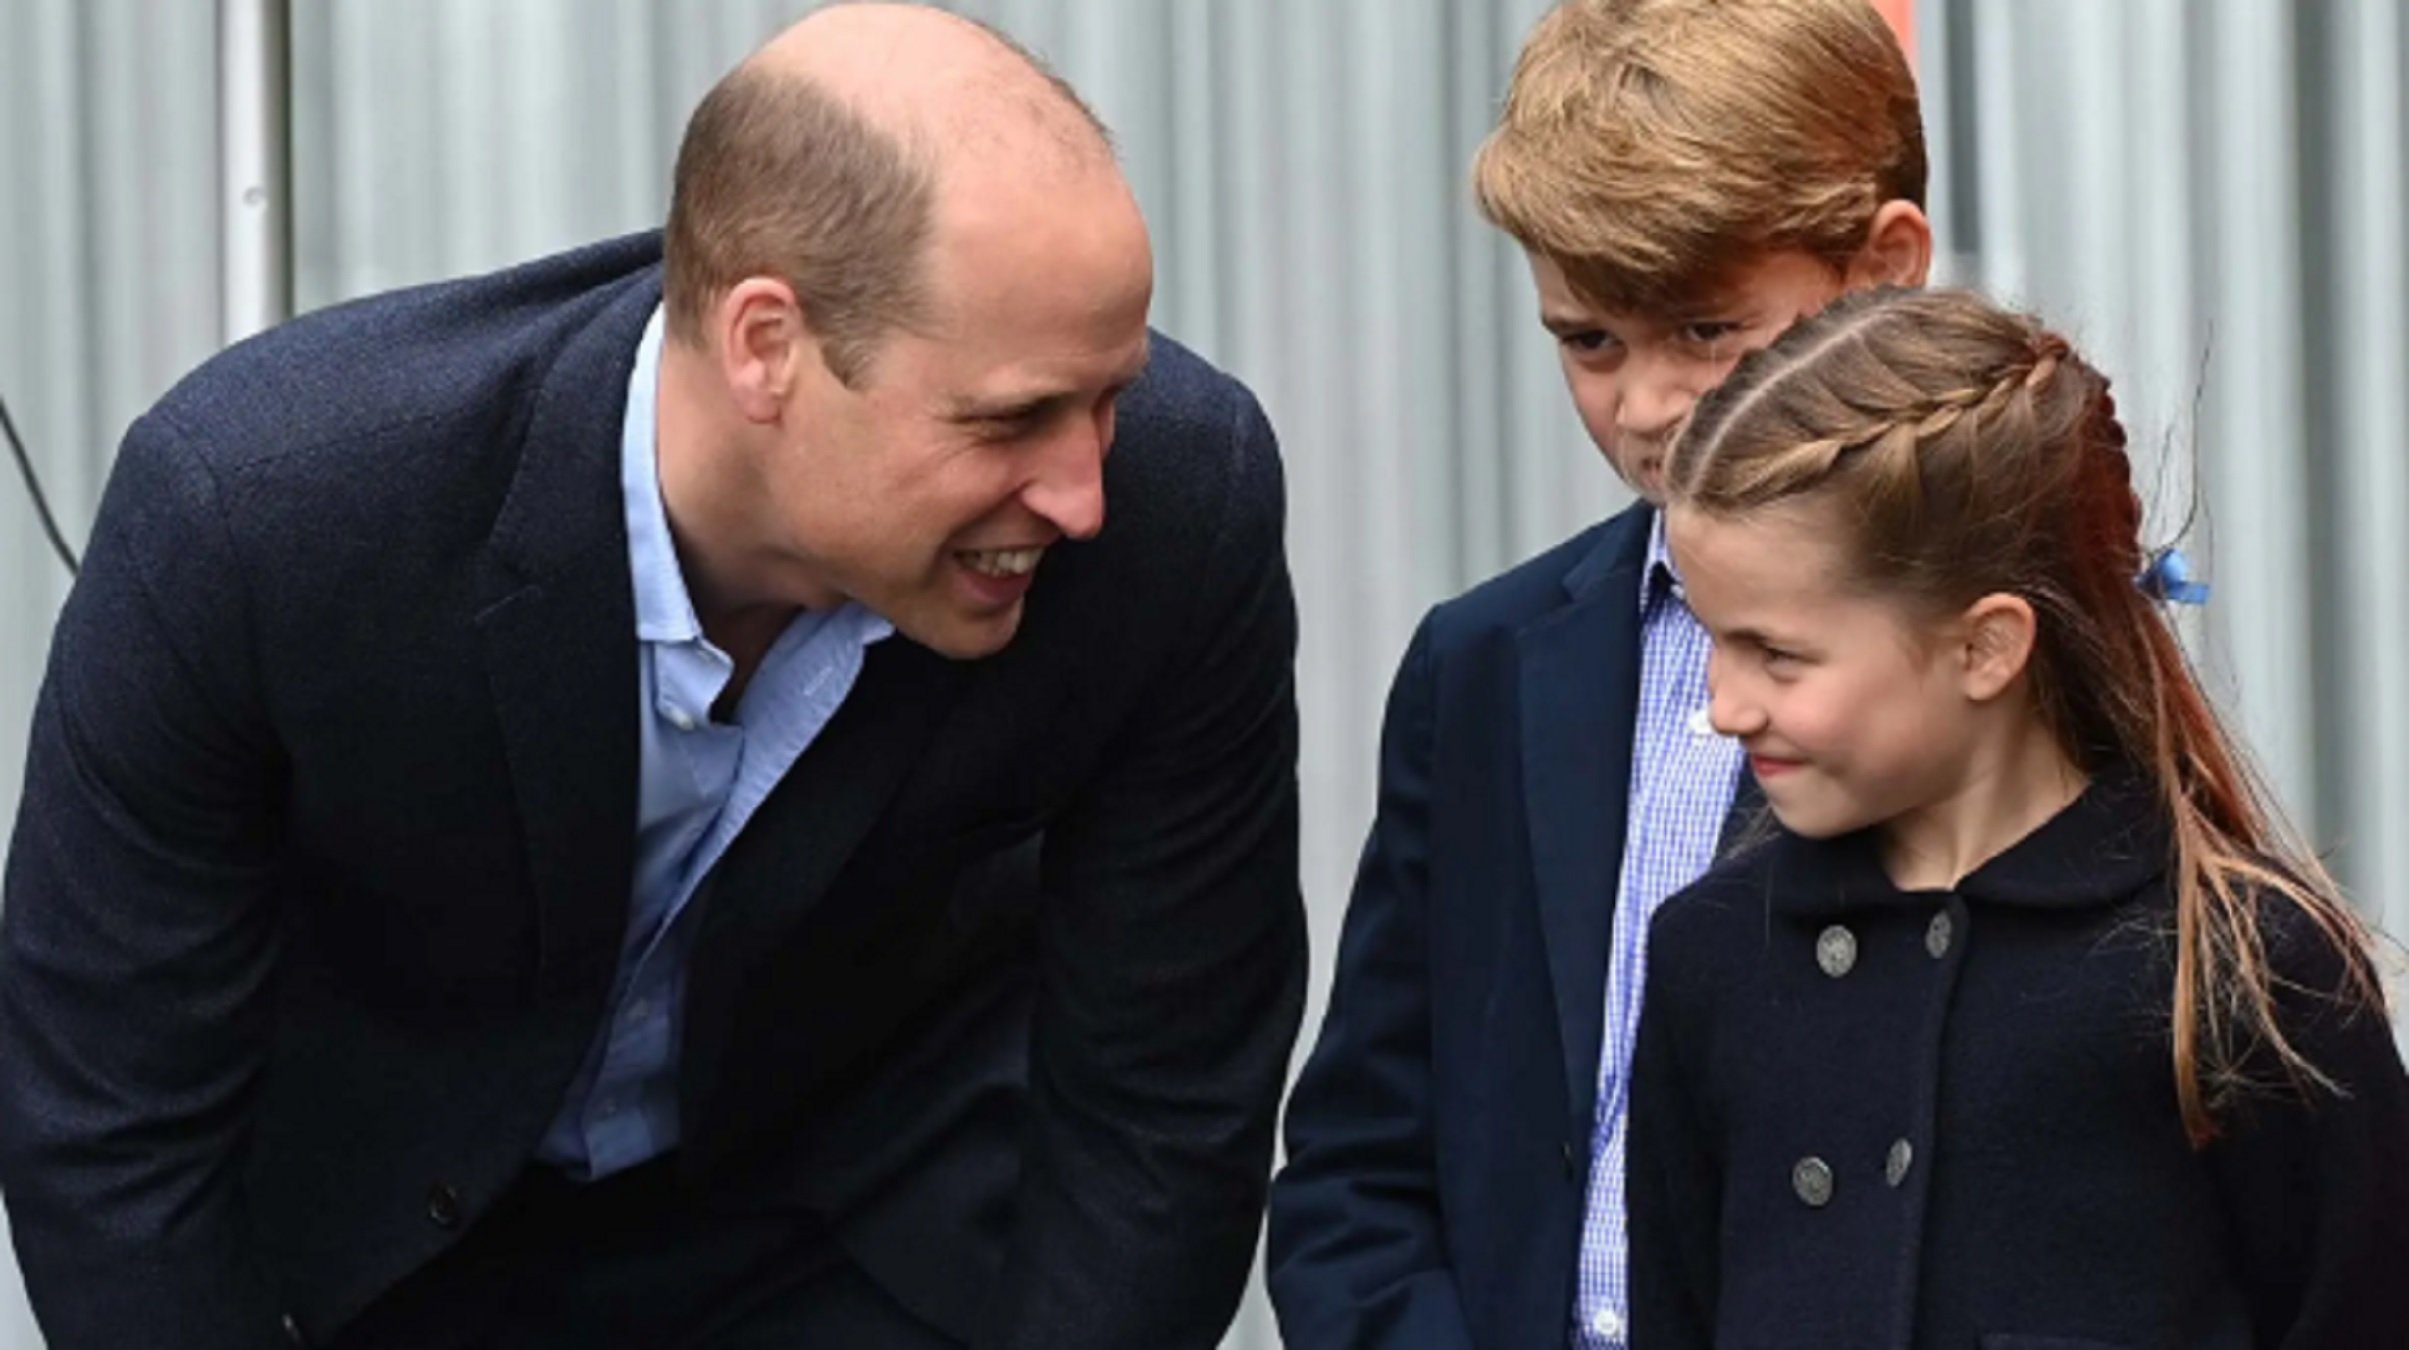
pixel 1588 341
pixel 1707 332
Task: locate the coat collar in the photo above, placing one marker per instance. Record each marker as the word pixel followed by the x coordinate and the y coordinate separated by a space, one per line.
pixel 2108 843
pixel 1621 549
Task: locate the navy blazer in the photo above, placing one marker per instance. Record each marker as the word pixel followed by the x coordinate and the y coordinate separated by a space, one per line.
pixel 1438 1139
pixel 318 885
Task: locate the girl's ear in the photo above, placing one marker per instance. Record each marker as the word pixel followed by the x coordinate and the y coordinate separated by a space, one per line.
pixel 1999 634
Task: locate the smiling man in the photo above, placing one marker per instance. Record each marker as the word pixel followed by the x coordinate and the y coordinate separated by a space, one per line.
pixel 647 800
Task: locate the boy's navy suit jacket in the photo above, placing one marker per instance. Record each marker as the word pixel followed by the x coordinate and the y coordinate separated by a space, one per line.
pixel 1439 1137
pixel 318 888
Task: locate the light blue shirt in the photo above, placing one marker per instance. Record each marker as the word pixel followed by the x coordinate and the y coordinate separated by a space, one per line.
pixel 1683 777
pixel 698 781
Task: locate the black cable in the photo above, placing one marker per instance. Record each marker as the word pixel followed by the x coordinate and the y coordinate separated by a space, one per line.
pixel 41 505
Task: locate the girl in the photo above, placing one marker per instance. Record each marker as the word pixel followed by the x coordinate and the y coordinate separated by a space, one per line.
pixel 2031 1030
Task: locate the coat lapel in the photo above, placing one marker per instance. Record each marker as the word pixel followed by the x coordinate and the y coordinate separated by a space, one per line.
pixel 784 861
pixel 1580 696
pixel 782 865
pixel 558 626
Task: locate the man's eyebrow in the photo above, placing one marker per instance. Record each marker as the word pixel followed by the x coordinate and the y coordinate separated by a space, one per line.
pixel 1028 403
pixel 1005 407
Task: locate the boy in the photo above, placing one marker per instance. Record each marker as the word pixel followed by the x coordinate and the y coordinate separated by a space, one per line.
pixel 1686 177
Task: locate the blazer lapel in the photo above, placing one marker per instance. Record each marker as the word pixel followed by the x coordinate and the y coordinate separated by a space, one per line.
pixel 782 865
pixel 783 862
pixel 558 625
pixel 1580 696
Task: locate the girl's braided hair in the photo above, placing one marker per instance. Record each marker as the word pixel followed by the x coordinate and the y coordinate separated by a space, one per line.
pixel 1968 451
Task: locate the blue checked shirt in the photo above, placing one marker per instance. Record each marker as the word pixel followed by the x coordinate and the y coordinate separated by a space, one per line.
pixel 1682 780
pixel 698 781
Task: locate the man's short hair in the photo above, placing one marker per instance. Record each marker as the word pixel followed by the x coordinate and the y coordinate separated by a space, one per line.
pixel 1650 147
pixel 777 177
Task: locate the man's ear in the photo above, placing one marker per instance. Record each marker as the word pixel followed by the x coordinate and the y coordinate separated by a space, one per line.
pixel 763 343
pixel 1897 249
pixel 1999 631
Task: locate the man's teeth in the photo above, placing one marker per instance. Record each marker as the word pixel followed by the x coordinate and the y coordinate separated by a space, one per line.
pixel 1002 562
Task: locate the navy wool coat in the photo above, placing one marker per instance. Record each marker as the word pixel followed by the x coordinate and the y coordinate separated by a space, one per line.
pixel 1864 1118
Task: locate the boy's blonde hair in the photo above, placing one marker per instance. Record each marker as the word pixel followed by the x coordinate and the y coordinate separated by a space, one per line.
pixel 1650 147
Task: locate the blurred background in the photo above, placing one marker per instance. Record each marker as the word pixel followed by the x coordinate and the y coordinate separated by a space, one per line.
pixel 2208 194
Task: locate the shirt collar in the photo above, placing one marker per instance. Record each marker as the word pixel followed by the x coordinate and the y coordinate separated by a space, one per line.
pixel 2103 847
pixel 664 609
pixel 1657 573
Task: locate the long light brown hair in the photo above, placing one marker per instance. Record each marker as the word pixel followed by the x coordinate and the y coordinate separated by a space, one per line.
pixel 1969 451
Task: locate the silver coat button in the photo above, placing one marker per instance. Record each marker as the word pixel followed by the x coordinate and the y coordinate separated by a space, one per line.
pixel 1902 1157
pixel 1836 951
pixel 1812 1179
pixel 1936 937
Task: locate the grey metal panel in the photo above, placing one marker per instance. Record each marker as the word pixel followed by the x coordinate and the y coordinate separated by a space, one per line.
pixel 2134 171
pixel 2369 396
pixel 2253 408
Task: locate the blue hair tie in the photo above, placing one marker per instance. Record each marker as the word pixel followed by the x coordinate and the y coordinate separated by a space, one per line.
pixel 2169 578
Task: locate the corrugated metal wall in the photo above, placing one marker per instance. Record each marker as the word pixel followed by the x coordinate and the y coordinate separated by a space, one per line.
pixel 2209 192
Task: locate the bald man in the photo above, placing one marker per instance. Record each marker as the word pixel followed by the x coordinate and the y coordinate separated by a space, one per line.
pixel 673 796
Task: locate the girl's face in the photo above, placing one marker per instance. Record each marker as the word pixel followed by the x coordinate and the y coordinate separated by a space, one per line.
pixel 1853 710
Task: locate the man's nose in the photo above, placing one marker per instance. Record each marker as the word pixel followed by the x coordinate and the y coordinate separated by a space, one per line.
pixel 1068 490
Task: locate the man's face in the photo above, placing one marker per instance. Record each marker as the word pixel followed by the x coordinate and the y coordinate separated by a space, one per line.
pixel 1635 376
pixel 931 490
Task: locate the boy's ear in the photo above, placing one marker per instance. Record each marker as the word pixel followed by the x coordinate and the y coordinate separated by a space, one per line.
pixel 1998 635
pixel 1897 250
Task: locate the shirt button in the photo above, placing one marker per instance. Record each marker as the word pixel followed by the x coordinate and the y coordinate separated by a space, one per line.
pixel 1902 1157
pixel 1936 937
pixel 1609 1324
pixel 1836 951
pixel 1811 1178
pixel 443 1205
pixel 1702 721
pixel 679 718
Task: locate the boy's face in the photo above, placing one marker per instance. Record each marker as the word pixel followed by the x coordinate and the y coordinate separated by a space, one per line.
pixel 1635 376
